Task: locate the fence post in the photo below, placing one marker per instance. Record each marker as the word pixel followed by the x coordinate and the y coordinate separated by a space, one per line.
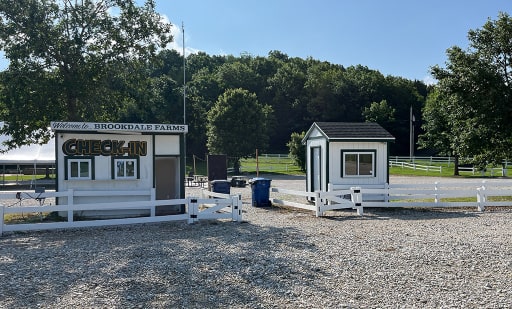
pixel 71 203
pixel 318 205
pixel 436 187
pixel 386 195
pixel 152 198
pixel 192 209
pixel 357 198
pixel 240 208
pixel 236 208
pixel 1 220
pixel 481 197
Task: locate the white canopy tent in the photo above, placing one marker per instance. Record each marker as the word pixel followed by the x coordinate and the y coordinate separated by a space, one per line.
pixel 30 154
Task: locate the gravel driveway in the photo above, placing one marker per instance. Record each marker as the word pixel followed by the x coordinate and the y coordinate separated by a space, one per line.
pixel 277 258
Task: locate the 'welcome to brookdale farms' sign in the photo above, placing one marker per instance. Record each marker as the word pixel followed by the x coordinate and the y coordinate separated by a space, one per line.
pixel 124 127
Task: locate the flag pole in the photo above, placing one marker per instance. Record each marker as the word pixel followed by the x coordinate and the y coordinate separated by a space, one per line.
pixel 184 75
pixel 184 99
pixel 411 135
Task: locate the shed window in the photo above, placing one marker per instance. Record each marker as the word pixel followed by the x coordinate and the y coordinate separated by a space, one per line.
pixel 79 168
pixel 356 164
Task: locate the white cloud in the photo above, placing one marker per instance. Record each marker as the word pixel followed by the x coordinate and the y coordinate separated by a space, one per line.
pixel 177 43
pixel 429 80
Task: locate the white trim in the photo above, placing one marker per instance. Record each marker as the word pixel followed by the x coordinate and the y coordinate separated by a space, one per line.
pixel 358 153
pixel 70 161
pixel 118 127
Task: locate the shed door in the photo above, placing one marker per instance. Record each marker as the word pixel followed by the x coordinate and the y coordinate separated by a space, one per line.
pixel 316 184
pixel 167 185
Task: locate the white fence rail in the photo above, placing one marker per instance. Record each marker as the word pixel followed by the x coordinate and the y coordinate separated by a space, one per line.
pixel 227 207
pixel 323 201
pixel 431 159
pixel 414 166
pixel 479 195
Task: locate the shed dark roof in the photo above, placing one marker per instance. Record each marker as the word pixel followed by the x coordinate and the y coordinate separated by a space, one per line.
pixel 354 130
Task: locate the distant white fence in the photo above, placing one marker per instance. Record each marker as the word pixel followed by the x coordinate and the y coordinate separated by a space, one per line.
pixel 432 159
pixel 414 166
pixel 493 171
pixel 227 207
pixel 479 195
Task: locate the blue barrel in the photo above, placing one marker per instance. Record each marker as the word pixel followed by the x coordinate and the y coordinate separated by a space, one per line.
pixel 221 186
pixel 260 192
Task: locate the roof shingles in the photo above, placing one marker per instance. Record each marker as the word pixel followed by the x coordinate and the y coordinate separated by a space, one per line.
pixel 354 130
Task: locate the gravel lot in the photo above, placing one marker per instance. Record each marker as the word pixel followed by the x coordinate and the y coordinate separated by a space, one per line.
pixel 277 258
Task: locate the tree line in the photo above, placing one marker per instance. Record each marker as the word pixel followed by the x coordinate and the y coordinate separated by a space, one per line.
pixel 107 61
pixel 79 62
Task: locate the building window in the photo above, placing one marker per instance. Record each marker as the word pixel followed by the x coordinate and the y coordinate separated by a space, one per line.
pixel 125 168
pixel 79 168
pixel 358 164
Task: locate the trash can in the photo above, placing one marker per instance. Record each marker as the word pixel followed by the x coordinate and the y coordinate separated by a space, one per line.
pixel 260 192
pixel 221 186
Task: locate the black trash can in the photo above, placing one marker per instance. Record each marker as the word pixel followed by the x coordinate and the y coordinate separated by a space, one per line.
pixel 221 186
pixel 260 192
pixel 238 181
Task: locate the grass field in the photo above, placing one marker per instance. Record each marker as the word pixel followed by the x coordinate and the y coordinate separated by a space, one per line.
pixel 279 165
pixel 285 165
pixel 447 170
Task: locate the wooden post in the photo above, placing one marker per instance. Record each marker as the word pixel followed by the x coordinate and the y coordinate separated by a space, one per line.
pixel 194 156
pixel 257 164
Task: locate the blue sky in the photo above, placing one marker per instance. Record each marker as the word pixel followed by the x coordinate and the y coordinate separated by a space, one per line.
pixel 397 37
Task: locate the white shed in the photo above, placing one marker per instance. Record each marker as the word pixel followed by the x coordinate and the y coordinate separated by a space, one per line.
pixel 345 154
pixel 121 157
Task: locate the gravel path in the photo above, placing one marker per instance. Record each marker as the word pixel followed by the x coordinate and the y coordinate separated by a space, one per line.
pixel 277 258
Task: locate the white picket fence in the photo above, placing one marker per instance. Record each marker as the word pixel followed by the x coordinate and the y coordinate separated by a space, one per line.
pixel 480 195
pixel 225 207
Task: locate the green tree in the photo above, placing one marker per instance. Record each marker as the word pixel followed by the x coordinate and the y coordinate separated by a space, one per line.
pixel 237 125
pixel 69 60
pixel 380 112
pixel 477 92
pixel 297 150
pixel 288 99
pixel 436 126
pixel 402 94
